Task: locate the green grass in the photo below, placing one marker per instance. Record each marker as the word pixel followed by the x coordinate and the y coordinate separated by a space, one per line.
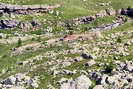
pixel 70 9
pixel 8 62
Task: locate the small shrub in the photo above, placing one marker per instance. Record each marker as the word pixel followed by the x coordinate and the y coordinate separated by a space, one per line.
pixel 132 35
pixel 119 40
pixel 29 48
pixel 0 37
pixel 33 39
pixel 19 42
pixel 109 67
pixel 70 33
pixel 7 36
pixel 4 56
pixel 44 43
pixel 39 39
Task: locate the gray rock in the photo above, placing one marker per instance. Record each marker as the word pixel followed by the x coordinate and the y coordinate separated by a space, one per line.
pixel 129 66
pixel 68 72
pixel 20 80
pixel 64 72
pixel 8 24
pixel 86 56
pixel 25 26
pixel 19 77
pixel 90 63
pixel 112 80
pixel 34 84
pixel 66 64
pixel 103 79
pixel 35 23
pixel 9 81
pixel 77 59
pixel 63 80
pixel 81 82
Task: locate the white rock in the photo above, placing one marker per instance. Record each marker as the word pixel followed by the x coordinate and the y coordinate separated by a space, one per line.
pixel 34 85
pixel 112 80
pixel 129 66
pixel 10 81
pixel 62 80
pixel 90 63
pixel 81 82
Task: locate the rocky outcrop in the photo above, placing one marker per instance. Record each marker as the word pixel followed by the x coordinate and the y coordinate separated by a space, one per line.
pixel 19 80
pixel 81 82
pixel 90 63
pixel 25 9
pixel 128 12
pixel 119 78
pixel 24 26
pixel 113 25
pixel 64 72
pixel 8 24
pixel 28 26
pixel 86 56
pixel 89 19
pixel 103 13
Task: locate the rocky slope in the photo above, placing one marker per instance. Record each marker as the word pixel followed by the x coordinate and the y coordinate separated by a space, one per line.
pixel 54 51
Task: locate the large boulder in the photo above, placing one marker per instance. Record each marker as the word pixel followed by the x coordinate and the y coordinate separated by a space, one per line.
pixel 129 66
pixel 110 11
pixel 20 80
pixel 81 82
pixel 86 56
pixel 35 23
pixel 90 63
pixel 25 26
pixel 130 12
pixel 8 23
pixel 112 80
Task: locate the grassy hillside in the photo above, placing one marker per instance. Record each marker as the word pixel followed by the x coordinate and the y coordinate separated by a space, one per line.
pixel 57 52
